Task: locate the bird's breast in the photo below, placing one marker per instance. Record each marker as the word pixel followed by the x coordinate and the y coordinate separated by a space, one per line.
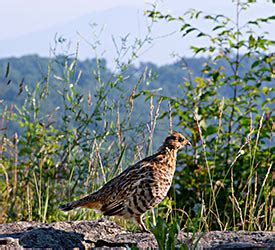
pixel 163 177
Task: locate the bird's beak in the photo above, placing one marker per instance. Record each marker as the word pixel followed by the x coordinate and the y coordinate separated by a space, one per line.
pixel 188 143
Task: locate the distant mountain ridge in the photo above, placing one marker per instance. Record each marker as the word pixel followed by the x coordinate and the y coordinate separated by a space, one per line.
pixel 113 23
pixel 33 68
pixel 168 80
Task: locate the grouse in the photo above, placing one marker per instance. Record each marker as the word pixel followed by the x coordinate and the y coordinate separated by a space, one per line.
pixel 138 188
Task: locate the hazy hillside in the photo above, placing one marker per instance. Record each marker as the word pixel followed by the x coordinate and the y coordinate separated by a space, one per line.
pixel 30 69
pixel 167 80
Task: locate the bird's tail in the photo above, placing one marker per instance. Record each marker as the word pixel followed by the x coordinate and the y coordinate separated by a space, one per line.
pixel 87 201
pixel 69 206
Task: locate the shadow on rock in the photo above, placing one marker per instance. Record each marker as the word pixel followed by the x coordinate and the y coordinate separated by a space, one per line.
pixel 43 238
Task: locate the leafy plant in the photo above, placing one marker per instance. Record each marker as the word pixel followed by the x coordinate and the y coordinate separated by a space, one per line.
pixel 228 111
pixel 63 151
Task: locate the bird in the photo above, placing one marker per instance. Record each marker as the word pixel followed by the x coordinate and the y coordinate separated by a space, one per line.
pixel 139 188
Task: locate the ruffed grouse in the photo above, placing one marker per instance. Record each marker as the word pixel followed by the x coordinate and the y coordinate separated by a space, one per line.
pixel 138 188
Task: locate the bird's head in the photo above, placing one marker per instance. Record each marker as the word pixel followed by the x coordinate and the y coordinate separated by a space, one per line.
pixel 175 141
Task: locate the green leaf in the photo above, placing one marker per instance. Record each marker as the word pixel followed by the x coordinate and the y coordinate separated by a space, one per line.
pixel 201 34
pixel 265 90
pixel 211 129
pixel 218 27
pixel 7 70
pixel 251 41
pixel 197 50
pixel 183 27
pixel 189 30
pixel 255 64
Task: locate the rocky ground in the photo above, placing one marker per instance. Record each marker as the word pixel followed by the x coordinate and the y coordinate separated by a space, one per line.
pixel 106 234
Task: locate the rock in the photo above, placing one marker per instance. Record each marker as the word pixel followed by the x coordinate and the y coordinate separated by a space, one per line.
pixel 237 240
pixel 103 233
pixel 9 242
pixel 71 234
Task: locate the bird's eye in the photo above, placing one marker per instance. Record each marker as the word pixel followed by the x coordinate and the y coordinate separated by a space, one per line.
pixel 180 139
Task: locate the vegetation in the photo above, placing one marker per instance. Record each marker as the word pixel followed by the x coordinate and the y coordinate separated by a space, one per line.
pixel 72 131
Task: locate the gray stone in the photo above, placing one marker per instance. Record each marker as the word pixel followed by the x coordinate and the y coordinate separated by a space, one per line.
pixel 71 234
pixel 102 234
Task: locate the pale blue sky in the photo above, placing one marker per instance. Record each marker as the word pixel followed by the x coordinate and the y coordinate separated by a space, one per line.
pixel 22 19
pixel 23 16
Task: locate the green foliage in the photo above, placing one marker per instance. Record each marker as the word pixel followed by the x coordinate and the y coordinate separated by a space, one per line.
pixel 230 166
pixel 59 142
pixel 165 234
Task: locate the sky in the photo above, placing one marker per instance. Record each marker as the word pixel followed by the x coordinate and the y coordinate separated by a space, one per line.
pixel 18 17
pixel 25 20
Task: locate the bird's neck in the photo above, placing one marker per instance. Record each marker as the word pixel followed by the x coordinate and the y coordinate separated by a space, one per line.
pixel 168 157
pixel 171 153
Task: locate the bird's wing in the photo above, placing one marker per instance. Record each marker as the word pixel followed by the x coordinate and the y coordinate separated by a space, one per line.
pixel 115 193
pixel 113 208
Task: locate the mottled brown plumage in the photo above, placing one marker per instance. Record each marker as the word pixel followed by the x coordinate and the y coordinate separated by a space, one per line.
pixel 138 188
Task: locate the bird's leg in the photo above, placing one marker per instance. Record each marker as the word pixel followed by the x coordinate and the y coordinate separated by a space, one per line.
pixel 141 224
